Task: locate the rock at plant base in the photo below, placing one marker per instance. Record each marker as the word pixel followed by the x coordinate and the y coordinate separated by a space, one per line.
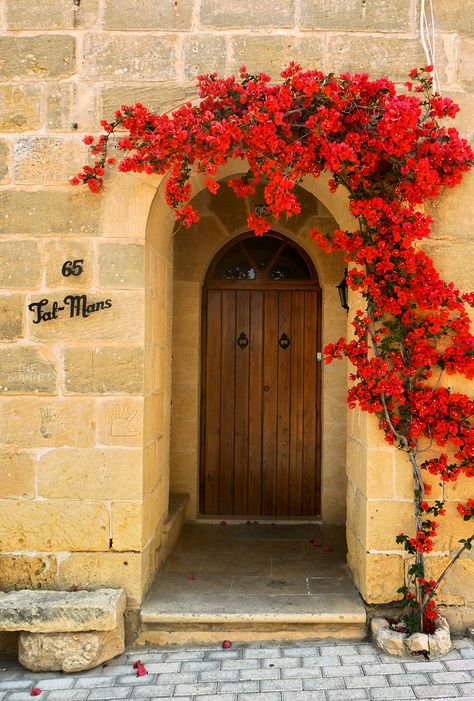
pixel 418 642
pixel 376 624
pixel 53 611
pixel 391 641
pixel 471 632
pixel 69 652
pixel 440 641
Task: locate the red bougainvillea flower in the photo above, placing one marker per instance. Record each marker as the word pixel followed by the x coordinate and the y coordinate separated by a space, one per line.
pixel 226 644
pixel 140 668
pixel 35 691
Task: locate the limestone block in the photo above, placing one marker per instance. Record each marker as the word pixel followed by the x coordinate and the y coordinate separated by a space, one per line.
pixel 99 569
pixel 130 57
pixel 27 571
pixel 93 473
pixel 36 422
pixel 163 98
pixel 454 16
pixel 20 108
pixel 27 370
pixel 271 54
pixel 5 162
pixel 351 15
pixel 120 422
pixel 104 316
pixel 17 475
pixel 466 62
pixel 69 652
pixel 11 316
pixel 57 251
pixel 389 56
pixel 50 212
pixel 22 14
pixel 440 641
pixel 50 526
pixel 384 520
pixel 127 518
pixel 62 611
pixel 166 14
pixel 391 641
pixel 237 14
pixel 382 576
pixel 103 370
pixel 41 160
pixel 204 53
pixel 121 265
pixel 21 264
pixel 40 57
pixel 418 642
pixel 59 99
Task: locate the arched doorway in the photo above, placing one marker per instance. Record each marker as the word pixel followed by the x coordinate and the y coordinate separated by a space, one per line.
pixel 260 401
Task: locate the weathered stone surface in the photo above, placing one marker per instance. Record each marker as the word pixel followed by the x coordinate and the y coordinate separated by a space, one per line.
pixel 166 14
pixel 40 57
pixel 109 322
pixel 389 56
pixel 99 569
pixel 20 108
pixel 271 54
pixel 107 370
pixel 104 474
pixel 61 611
pixel 69 652
pixel 50 212
pixel 247 13
pixel 21 264
pixel 128 57
pixel 352 15
pixel 26 370
pixel 391 641
pixel 59 99
pixel 377 624
pixel 440 641
pixel 22 14
pixel 162 97
pixel 5 162
pixel 384 519
pixel 27 571
pixel 466 62
pixel 204 53
pixel 127 525
pixel 417 642
pixel 11 316
pixel 17 476
pixel 40 160
pixel 52 526
pixel 454 16
pixel 121 265
pixel 36 422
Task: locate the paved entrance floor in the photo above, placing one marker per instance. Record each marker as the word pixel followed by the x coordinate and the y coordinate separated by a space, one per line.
pixel 256 572
pixel 321 671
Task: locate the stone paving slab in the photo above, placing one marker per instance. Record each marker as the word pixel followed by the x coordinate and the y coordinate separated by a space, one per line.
pixel 319 671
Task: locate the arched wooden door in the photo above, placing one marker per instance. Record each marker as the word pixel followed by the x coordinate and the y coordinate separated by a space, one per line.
pixel 260 439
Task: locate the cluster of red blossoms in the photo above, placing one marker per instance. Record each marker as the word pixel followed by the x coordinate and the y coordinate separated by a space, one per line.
pixel 390 152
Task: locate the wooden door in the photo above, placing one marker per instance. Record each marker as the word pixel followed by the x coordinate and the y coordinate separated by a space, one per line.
pixel 260 404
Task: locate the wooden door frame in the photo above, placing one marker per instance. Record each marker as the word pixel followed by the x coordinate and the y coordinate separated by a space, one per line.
pixel 299 285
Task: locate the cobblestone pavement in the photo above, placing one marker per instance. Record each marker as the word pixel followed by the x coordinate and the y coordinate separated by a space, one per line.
pixel 320 671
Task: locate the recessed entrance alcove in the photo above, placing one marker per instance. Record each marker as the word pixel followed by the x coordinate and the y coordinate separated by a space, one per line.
pixel 258 431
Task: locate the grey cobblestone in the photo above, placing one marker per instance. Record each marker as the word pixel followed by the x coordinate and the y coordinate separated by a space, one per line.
pixel 320 671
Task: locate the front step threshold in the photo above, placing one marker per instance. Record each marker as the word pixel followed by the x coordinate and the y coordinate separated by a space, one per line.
pixel 187 628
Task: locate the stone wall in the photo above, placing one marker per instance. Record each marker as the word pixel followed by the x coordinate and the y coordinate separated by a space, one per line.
pixel 84 461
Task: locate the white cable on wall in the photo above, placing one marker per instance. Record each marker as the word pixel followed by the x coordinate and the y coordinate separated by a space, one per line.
pixel 427 37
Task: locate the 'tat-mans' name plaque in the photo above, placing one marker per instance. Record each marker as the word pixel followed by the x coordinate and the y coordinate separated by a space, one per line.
pixel 75 305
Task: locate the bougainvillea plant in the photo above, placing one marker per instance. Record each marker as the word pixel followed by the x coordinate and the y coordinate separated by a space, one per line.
pixel 388 149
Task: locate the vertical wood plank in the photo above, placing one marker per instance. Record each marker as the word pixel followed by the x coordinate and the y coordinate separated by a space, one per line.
pixel 256 360
pixel 283 403
pixel 310 498
pixel 212 408
pixel 296 406
pixel 241 440
pixel 270 401
pixel 227 406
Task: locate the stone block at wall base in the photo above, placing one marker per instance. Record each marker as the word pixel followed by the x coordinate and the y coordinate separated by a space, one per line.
pixel 69 652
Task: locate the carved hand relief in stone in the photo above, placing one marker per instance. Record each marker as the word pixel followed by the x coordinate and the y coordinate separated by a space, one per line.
pixel 48 418
pixel 121 416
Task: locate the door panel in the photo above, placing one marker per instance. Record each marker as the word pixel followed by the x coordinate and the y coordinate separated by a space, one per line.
pixel 260 403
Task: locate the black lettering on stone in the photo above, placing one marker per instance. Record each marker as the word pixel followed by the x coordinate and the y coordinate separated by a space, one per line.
pixel 78 307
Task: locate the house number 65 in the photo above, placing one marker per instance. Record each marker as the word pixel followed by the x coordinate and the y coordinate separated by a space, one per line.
pixel 72 267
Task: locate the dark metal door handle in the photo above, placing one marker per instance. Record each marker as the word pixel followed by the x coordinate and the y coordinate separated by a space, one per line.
pixel 242 341
pixel 284 341
pixel 266 388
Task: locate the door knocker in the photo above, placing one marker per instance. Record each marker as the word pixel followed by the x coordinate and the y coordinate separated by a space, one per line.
pixel 242 340
pixel 284 341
